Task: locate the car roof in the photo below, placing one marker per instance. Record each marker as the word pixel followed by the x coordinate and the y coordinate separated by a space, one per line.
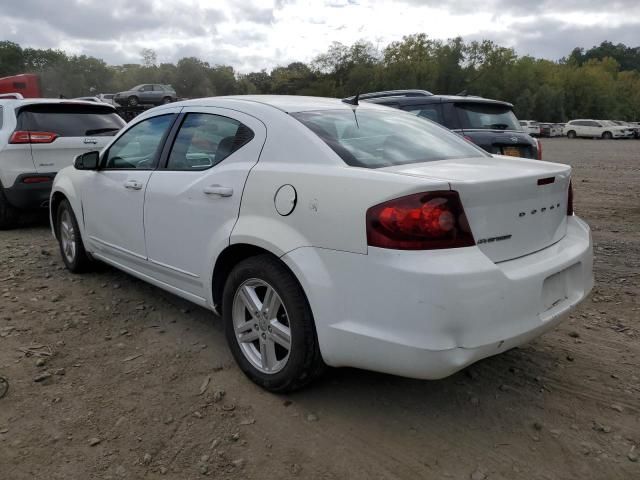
pixel 422 100
pixel 285 103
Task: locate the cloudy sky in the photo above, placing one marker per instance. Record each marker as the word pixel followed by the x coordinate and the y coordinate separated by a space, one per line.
pixel 256 34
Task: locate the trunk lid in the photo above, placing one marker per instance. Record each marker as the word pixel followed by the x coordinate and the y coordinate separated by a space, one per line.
pixel 514 207
pixel 501 142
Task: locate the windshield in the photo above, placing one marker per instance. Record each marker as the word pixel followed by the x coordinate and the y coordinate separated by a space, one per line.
pixel 487 116
pixel 377 138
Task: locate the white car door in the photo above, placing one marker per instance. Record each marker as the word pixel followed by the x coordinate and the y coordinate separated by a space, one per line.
pixel 595 129
pixel 192 201
pixel 113 196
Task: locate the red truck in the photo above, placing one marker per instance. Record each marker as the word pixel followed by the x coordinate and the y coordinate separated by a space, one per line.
pixel 26 84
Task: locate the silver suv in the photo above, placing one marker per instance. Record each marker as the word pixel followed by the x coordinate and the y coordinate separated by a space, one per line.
pixel 38 137
pixel 146 94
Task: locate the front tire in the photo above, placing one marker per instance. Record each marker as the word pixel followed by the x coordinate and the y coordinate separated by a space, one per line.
pixel 166 100
pixel 607 136
pixel 269 325
pixel 72 249
pixel 133 101
pixel 571 134
pixel 8 213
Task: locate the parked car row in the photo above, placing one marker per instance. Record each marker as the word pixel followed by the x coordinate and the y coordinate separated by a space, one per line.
pixel 292 216
pixel 145 94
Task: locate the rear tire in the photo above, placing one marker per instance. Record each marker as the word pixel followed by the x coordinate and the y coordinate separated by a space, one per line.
pixel 133 101
pixel 72 249
pixel 250 335
pixel 8 213
pixel 607 136
pixel 571 134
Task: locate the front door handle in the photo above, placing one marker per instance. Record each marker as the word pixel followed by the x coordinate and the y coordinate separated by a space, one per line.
pixel 218 190
pixel 133 185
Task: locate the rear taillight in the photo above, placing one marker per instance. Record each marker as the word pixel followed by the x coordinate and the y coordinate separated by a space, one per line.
pixel 422 221
pixel 570 199
pixel 30 180
pixel 23 136
pixel 539 148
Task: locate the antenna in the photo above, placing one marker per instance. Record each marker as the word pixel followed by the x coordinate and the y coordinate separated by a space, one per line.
pixel 352 101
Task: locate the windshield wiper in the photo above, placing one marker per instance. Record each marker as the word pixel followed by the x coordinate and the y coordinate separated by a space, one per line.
pixel 499 126
pixel 99 131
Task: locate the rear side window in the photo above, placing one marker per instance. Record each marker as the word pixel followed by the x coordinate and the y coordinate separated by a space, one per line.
pixel 384 138
pixel 204 140
pixel 68 120
pixel 487 116
pixel 430 112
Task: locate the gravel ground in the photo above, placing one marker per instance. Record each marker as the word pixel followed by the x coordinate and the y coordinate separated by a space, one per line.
pixel 112 378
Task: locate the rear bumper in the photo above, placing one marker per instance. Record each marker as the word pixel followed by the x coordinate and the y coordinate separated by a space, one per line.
pixel 429 314
pixel 30 195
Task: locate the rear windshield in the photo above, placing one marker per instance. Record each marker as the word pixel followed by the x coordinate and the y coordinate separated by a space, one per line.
pixel 488 116
pixel 69 120
pixel 383 138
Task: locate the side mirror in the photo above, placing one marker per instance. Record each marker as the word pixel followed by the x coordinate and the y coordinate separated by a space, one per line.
pixel 87 161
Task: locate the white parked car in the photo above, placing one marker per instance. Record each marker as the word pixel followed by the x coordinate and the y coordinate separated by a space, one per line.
pixel 596 129
pixel 330 233
pixel 531 127
pixel 107 98
pixel 550 130
pixel 38 137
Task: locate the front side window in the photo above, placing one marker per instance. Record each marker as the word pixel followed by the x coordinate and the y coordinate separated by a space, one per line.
pixel 204 140
pixel 487 116
pixel 383 138
pixel 138 147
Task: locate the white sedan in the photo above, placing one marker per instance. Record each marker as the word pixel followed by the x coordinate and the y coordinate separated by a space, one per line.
pixel 328 233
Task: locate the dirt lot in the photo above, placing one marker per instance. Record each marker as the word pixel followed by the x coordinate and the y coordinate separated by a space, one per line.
pixel 112 378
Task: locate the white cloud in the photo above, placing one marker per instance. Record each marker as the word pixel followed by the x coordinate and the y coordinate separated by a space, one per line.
pixel 255 34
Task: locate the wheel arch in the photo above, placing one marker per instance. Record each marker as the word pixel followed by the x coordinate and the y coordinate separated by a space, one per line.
pixel 63 189
pixel 228 259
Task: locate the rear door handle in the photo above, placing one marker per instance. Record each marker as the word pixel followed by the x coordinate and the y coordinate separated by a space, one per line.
pixel 133 185
pixel 218 190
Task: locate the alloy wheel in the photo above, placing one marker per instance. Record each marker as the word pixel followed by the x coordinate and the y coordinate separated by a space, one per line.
pixel 261 326
pixel 67 236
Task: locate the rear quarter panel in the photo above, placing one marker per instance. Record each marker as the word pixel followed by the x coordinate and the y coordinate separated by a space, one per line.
pixel 332 197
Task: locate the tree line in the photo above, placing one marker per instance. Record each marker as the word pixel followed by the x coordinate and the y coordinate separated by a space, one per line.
pixel 602 82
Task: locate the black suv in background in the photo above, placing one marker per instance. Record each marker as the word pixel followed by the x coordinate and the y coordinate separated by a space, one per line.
pixel 490 124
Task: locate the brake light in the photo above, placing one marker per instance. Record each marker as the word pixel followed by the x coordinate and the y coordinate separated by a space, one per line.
pixel 23 136
pixel 570 200
pixel 422 221
pixel 539 148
